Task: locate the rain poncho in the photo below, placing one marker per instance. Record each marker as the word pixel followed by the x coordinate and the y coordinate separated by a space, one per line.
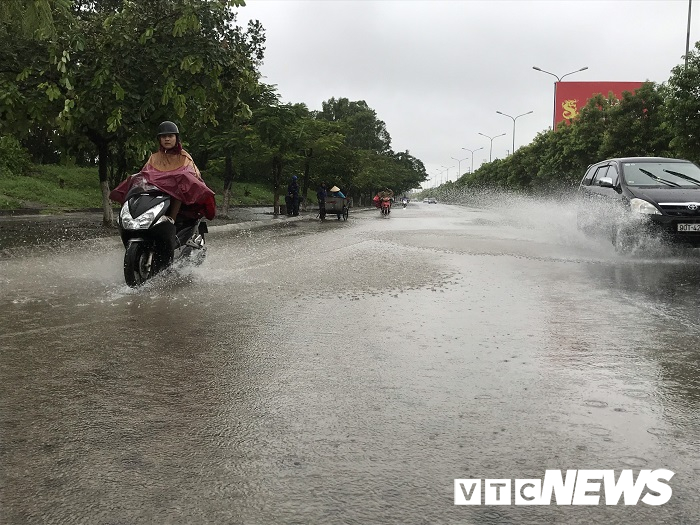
pixel 181 181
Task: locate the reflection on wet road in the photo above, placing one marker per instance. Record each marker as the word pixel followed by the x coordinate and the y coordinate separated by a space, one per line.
pixel 348 372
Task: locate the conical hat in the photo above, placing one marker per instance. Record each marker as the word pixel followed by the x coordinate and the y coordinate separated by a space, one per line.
pixel 335 188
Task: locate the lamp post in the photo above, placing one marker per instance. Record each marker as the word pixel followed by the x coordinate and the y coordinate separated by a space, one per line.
pixel 687 36
pixel 472 152
pixel 491 139
pixel 554 115
pixel 514 119
pixel 444 169
pixel 459 166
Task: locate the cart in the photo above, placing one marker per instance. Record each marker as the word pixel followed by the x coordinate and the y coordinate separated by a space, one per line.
pixel 337 205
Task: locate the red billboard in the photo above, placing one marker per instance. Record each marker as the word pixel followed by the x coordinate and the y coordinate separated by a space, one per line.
pixel 571 97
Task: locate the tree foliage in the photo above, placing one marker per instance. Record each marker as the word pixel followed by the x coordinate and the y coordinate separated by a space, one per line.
pixel 89 80
pixel 683 107
pixel 637 125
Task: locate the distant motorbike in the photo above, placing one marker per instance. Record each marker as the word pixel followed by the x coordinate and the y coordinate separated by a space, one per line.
pixel 404 203
pixel 147 235
pixel 385 206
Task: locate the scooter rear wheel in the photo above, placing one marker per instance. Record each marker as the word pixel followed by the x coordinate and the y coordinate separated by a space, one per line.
pixel 139 264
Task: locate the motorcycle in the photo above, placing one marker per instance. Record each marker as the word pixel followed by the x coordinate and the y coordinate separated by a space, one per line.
pixel 152 242
pixel 385 206
pixel 404 203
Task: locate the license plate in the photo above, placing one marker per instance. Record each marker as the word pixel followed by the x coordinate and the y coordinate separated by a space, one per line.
pixel 694 227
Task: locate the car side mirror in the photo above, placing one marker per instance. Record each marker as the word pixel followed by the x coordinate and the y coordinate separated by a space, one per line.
pixel 605 182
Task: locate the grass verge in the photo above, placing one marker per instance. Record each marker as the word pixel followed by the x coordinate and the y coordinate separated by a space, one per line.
pixel 59 188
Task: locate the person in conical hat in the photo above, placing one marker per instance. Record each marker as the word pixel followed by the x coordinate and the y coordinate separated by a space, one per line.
pixel 335 192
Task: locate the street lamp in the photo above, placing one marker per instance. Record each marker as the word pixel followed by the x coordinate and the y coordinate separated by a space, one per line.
pixel 472 152
pixel 438 179
pixel 554 116
pixel 444 169
pixel 514 119
pixel 459 166
pixel 491 139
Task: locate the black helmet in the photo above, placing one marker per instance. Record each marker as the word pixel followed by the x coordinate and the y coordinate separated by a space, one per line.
pixel 168 128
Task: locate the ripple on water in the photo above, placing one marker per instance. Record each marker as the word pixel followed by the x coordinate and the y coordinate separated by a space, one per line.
pixel 595 403
pixel 492 516
pixel 597 431
pixel 659 432
pixel 636 393
pixel 633 461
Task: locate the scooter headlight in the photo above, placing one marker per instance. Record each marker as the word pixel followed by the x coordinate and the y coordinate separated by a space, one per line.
pixel 141 222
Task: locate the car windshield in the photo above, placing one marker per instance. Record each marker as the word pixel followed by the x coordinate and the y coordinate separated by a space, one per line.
pixel 661 174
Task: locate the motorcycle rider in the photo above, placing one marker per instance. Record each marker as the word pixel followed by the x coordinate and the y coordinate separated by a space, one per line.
pixel 171 156
pixel 386 194
pixel 173 170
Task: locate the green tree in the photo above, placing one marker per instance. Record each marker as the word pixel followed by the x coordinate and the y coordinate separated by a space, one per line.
pixel 122 67
pixel 683 107
pixel 321 143
pixel 279 127
pixel 369 162
pixel 30 67
pixel 32 19
pixel 362 128
pixel 637 125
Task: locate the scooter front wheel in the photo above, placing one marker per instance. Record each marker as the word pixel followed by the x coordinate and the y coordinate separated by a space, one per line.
pixel 138 264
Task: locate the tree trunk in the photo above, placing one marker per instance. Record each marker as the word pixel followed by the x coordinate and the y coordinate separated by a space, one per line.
pixel 225 203
pixel 277 178
pixel 107 216
pixel 307 169
pixel 228 184
pixel 102 145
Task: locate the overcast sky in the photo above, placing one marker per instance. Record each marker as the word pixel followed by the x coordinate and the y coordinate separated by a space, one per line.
pixel 437 71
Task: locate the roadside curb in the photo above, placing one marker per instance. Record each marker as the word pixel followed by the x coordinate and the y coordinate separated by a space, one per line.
pixel 269 223
pixel 247 225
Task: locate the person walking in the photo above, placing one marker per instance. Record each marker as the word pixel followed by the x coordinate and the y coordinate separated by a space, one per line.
pixel 293 194
pixel 321 195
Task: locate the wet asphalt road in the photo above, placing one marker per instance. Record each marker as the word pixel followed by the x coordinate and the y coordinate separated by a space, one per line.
pixel 348 372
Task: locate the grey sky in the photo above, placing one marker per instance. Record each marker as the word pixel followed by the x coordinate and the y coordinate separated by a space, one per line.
pixel 437 71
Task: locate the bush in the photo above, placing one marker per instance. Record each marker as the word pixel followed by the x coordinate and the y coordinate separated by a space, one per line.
pixel 14 159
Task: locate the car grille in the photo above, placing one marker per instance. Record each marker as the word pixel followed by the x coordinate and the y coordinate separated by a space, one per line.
pixel 680 209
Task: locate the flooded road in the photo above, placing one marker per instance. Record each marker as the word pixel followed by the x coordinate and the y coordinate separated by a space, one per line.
pixel 348 372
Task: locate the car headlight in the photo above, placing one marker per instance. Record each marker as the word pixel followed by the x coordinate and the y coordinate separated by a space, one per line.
pixel 141 222
pixel 644 207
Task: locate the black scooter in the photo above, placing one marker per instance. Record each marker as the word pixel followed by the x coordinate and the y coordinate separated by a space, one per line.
pixel 151 240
